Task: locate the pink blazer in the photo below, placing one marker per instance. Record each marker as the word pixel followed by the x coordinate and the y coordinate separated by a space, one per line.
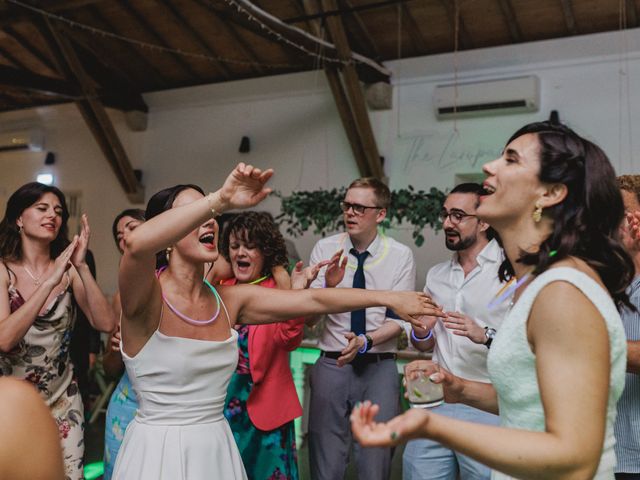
pixel 273 400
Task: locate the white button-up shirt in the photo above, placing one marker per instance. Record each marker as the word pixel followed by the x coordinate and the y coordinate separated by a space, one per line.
pixel 389 266
pixel 470 295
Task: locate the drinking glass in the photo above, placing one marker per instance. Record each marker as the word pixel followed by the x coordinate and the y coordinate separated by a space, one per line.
pixel 422 392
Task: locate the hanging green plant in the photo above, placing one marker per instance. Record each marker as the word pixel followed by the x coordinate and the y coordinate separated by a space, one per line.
pixel 320 210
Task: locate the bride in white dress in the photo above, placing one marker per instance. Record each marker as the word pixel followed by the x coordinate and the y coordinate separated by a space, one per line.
pixel 557 364
pixel 178 343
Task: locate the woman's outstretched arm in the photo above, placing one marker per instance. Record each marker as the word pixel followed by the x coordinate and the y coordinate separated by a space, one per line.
pixel 570 341
pixel 255 305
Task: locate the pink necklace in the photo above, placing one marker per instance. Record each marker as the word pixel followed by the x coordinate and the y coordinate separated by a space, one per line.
pixel 190 320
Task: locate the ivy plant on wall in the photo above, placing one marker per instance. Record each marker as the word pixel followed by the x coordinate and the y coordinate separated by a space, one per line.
pixel 320 210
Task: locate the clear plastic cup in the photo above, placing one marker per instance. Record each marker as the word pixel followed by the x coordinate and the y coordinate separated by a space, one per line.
pixel 421 391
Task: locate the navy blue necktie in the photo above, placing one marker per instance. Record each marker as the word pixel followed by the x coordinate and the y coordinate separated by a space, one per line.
pixel 358 323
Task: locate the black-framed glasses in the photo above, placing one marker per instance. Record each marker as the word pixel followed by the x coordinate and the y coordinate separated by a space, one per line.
pixel 357 208
pixel 455 216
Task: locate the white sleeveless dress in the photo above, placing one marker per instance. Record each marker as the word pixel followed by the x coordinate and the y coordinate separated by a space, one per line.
pixel 512 365
pixel 180 432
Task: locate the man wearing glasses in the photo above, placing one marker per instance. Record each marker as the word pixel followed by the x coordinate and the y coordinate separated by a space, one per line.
pixel 464 286
pixel 358 348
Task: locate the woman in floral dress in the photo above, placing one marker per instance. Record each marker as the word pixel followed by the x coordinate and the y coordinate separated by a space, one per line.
pixel 41 272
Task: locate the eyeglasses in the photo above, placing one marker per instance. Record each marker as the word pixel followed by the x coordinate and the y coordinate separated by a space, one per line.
pixel 357 208
pixel 454 216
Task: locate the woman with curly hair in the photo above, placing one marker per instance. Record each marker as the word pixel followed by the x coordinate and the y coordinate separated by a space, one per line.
pixel 41 275
pixel 261 400
pixel 557 365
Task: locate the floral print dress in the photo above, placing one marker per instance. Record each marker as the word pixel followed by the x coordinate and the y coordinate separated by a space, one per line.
pixel 267 455
pixel 42 358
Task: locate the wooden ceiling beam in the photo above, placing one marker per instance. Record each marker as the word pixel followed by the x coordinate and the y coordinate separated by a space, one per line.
pixel 93 111
pixel 12 59
pixel 29 47
pixel 347 118
pixel 159 39
pixel 342 11
pixel 369 44
pixel 371 164
pixel 11 13
pixel 225 23
pixel 14 78
pixel 158 76
pixel 372 69
pixel 511 21
pixel 340 96
pixel 569 18
pixel 184 24
pixel 463 36
pixel 415 32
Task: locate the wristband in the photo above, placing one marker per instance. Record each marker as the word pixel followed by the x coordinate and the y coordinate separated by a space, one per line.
pixel 366 343
pixel 421 339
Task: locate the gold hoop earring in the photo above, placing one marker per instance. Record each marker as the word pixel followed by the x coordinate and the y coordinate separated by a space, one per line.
pixel 537 214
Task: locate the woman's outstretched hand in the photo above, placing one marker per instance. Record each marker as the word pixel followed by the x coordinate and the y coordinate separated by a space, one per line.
pixel 245 187
pixel 411 306
pixel 369 433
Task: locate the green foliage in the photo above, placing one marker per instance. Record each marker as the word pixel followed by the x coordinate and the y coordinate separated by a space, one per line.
pixel 320 209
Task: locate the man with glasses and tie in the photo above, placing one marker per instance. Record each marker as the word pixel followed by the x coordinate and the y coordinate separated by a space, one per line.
pixel 358 348
pixel 464 287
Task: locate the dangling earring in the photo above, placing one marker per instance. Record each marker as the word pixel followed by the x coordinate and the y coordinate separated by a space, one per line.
pixel 537 214
pixel 19 229
pixel 168 253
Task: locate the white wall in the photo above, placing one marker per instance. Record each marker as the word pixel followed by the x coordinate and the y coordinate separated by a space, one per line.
pixel 194 133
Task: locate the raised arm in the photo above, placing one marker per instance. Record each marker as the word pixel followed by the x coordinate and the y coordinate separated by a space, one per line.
pixel 85 288
pixel 14 326
pixel 570 341
pixel 244 187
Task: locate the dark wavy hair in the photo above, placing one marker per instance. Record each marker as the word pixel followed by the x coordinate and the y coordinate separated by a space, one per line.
pixel 135 213
pixel 20 200
pixel 259 229
pixel 585 223
pixel 161 202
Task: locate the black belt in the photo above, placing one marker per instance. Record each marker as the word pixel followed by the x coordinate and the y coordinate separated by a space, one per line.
pixel 362 357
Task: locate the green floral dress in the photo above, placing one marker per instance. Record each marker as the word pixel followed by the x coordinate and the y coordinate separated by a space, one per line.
pixel 42 358
pixel 267 455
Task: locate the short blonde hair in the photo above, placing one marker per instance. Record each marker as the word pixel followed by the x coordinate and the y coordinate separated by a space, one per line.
pixel 380 190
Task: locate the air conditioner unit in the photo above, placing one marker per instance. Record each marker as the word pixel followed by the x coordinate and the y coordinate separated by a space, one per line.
pixel 492 97
pixel 32 140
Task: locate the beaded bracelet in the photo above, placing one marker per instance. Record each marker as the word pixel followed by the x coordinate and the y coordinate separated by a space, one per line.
pixel 421 339
pixel 366 343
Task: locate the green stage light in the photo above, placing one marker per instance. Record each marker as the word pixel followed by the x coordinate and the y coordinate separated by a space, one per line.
pixel 93 470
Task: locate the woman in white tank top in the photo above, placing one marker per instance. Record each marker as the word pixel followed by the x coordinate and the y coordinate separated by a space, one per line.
pixel 558 362
pixel 178 341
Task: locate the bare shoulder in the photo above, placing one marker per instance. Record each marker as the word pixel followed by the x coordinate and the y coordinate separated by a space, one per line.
pixel 563 311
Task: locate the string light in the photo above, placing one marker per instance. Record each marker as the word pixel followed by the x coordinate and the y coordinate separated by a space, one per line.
pixel 146 45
